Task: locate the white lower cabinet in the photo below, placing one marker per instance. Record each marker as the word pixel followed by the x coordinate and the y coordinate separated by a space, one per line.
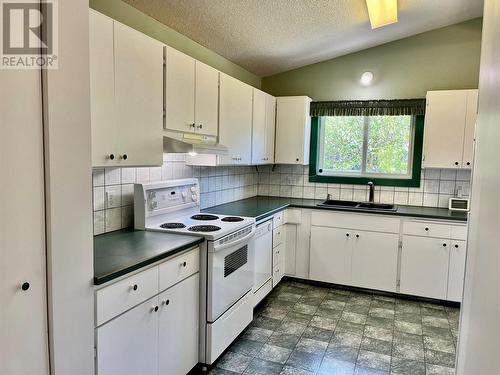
pixel 424 266
pixel 330 257
pixel 128 345
pixel 158 336
pixel 456 273
pixel 178 327
pixel 375 260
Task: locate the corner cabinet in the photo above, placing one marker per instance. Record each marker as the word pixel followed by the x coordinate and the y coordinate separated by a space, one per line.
pixel 450 121
pixel 126 94
pixel 235 116
pixel 293 130
pixel 263 127
pixel 191 94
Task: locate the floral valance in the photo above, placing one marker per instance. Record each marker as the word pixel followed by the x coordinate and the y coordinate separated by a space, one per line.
pixel 395 107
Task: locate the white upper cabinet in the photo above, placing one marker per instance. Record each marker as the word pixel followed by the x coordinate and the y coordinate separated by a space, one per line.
pixel 449 128
pixel 206 113
pixel 235 109
pixel 179 96
pixel 191 94
pixel 293 130
pixel 126 75
pixel 263 127
pixel 470 127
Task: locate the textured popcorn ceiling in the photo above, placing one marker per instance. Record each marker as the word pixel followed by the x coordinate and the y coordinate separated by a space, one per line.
pixel 272 36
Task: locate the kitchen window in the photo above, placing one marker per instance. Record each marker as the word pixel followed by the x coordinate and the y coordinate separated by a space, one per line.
pixel 356 147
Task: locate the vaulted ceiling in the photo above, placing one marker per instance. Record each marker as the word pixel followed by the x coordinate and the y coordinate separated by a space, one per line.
pixel 271 36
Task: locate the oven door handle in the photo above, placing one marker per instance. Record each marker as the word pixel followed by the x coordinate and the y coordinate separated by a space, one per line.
pixel 235 243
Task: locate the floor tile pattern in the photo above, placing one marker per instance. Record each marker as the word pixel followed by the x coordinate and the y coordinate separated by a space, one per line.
pixel 301 329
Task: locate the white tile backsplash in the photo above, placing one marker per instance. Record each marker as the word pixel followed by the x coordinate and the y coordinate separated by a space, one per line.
pixel 220 185
pixel 113 188
pixel 437 186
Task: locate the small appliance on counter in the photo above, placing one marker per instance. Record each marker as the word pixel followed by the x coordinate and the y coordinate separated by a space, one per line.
pixel 226 257
pixel 458 204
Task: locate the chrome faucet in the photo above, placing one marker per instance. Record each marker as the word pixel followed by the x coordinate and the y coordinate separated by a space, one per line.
pixel 371 185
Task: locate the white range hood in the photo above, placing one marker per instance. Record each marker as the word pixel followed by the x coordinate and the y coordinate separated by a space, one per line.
pixel 189 143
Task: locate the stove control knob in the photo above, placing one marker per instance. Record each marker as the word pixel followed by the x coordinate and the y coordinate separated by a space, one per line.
pixel 193 189
pixel 184 194
pixel 194 197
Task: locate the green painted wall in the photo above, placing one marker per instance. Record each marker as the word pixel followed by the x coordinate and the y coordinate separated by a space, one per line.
pixel 446 58
pixel 132 17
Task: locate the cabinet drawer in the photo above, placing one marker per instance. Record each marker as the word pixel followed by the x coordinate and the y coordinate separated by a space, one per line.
pixel 360 221
pixel 428 229
pixel 278 255
pixel 121 296
pixel 459 232
pixel 178 268
pixel 278 273
pixel 278 219
pixel 277 236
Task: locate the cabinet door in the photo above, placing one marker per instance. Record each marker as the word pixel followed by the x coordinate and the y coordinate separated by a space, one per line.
pixel 179 95
pixel 270 127
pixel 375 260
pixel 138 97
pixel 259 151
pixel 292 130
pixel 424 266
pixel 456 272
pixel 206 99
pixel 23 313
pixel 470 126
pixel 102 115
pixel 179 327
pixel 128 345
pixel 444 128
pixel 331 252
pixel 235 131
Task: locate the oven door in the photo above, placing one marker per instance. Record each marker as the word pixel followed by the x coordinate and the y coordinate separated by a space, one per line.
pixel 230 271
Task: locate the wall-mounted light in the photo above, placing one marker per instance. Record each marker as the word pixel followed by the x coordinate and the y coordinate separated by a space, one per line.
pixel 366 78
pixel 382 12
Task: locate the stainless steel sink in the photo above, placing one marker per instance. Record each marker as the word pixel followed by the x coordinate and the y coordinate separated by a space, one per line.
pixel 376 206
pixel 338 203
pixel 358 205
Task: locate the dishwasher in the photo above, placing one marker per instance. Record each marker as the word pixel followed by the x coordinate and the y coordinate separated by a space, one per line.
pixel 263 265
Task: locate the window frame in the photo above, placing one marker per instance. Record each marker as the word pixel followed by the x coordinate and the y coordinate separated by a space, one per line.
pixel 412 180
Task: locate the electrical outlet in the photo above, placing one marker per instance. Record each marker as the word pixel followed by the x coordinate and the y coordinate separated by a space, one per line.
pixel 113 196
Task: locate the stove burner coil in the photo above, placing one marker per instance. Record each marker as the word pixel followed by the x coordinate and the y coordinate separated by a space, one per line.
pixel 204 228
pixel 232 219
pixel 204 217
pixel 172 226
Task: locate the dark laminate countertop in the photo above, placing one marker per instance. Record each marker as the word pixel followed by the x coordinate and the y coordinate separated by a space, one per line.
pixel 118 253
pixel 260 207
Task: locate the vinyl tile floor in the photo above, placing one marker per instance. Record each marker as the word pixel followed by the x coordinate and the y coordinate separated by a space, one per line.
pixel 300 329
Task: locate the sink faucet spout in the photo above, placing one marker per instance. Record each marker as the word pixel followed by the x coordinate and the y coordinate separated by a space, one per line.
pixel 371 185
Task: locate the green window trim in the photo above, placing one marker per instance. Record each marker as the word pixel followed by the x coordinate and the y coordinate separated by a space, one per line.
pixel 414 181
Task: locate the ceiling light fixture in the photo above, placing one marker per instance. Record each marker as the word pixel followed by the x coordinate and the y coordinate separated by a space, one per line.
pixel 382 12
pixel 366 78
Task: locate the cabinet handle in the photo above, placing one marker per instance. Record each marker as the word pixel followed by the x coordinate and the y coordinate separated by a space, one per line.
pixel 134 287
pixel 444 245
pixel 456 163
pixel 200 126
pixel 297 159
pixel 183 264
pixel 456 246
pixel 155 309
pixel 25 286
pixel 357 235
pixel 347 234
pixel 167 302
pixel 111 156
pixel 124 157
pixel 426 229
pixel 468 163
